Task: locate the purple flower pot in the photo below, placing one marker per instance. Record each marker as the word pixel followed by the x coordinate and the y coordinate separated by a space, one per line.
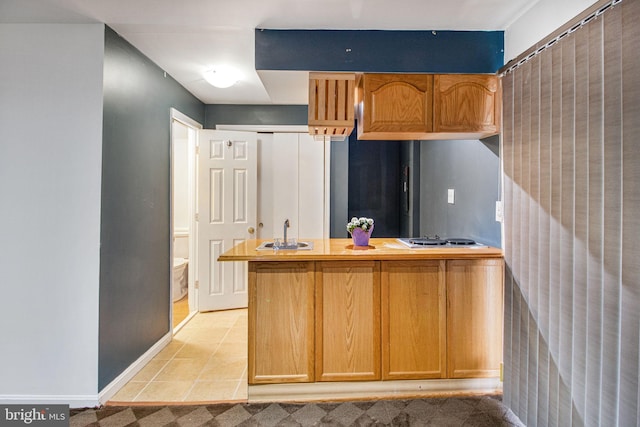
pixel 361 237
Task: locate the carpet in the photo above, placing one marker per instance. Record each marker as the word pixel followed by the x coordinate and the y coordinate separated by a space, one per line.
pixel 479 411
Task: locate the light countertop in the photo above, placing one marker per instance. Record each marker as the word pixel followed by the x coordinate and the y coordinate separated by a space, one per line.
pixel 343 249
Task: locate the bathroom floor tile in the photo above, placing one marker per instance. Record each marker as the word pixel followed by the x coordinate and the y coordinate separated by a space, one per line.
pixel 180 310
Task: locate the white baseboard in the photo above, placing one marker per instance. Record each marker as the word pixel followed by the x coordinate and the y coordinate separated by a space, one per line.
pixel 114 386
pixel 358 390
pixel 74 401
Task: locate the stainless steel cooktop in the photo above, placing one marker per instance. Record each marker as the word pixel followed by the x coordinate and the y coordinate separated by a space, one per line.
pixel 439 242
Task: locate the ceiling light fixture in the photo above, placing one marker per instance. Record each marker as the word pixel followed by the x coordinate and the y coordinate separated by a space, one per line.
pixel 221 77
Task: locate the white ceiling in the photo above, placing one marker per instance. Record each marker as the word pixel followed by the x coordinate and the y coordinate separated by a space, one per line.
pixel 187 37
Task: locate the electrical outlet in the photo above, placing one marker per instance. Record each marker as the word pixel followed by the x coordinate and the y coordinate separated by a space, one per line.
pixel 451 193
pixel 499 211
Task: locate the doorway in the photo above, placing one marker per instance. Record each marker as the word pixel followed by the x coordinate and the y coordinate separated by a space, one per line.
pixel 183 218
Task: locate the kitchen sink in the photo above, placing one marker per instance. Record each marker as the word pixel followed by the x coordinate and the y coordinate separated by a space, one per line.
pixel 295 246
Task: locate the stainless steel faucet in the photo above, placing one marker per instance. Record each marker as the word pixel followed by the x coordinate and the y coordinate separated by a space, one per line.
pixel 286 225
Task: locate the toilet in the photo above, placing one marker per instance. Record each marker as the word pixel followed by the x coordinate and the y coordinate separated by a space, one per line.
pixel 180 279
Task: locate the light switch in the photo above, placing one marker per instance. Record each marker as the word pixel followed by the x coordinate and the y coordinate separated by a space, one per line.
pixel 451 193
pixel 499 211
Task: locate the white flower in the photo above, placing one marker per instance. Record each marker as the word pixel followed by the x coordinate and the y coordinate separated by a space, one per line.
pixel 363 223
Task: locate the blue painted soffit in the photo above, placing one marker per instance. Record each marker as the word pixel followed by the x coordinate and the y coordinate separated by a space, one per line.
pixel 380 51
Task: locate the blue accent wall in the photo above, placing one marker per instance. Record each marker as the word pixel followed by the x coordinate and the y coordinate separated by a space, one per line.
pixel 134 247
pixel 374 184
pixel 380 51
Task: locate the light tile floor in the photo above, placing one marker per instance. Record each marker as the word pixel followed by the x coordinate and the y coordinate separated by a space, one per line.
pixel 180 310
pixel 205 362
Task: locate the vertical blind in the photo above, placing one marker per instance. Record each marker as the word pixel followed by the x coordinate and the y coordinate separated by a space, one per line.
pixel 571 154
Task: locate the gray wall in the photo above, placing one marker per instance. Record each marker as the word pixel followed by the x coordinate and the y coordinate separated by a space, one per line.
pixel 339 191
pixel 134 252
pixel 472 169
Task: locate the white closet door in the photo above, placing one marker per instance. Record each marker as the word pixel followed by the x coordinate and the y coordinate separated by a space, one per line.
pixel 311 192
pixel 265 186
pixel 291 182
pixel 284 166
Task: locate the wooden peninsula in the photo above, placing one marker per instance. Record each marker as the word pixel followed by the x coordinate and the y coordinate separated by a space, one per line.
pixel 385 320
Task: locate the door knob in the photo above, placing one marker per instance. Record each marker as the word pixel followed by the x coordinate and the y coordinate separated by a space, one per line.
pixel 251 230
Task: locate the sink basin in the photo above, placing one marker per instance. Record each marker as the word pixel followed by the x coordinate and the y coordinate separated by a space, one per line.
pixel 297 246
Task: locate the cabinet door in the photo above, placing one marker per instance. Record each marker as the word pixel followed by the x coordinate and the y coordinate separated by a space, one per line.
pixel 474 318
pixel 395 105
pixel 281 322
pixel 466 103
pixel 413 319
pixel 347 321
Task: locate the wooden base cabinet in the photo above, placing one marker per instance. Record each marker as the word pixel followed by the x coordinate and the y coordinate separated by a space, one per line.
pixel 281 318
pixel 347 321
pixel 413 320
pixel 368 320
pixel 474 318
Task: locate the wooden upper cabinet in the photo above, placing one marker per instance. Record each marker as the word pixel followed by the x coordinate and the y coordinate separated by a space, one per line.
pixel 331 104
pixel 428 106
pixel 466 103
pixel 395 106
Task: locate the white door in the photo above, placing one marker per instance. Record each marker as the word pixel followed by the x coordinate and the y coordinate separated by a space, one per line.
pixel 312 165
pixel 292 186
pixel 227 182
